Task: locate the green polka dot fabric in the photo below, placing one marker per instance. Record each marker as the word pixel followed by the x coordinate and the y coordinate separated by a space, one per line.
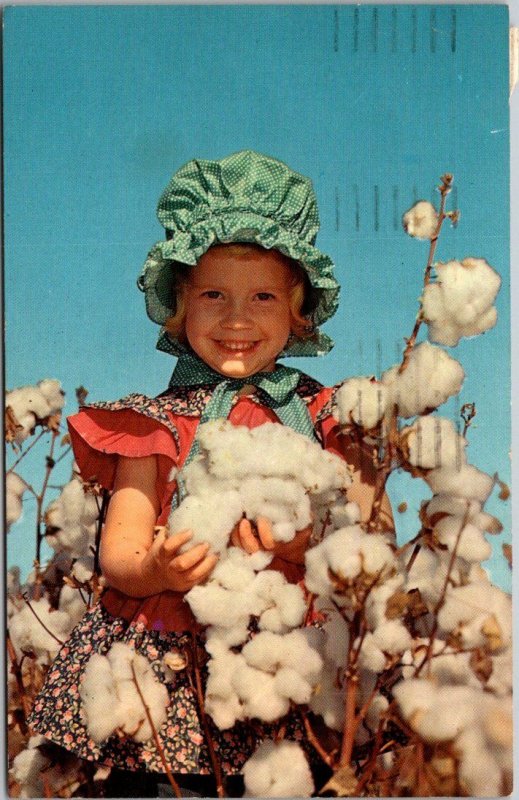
pixel 246 197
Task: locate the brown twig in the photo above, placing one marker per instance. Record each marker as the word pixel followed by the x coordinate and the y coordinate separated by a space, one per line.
pixel 158 745
pixel 42 623
pixel 444 189
pixel 384 470
pixel 24 453
pixel 443 594
pixel 41 495
pixel 314 741
pixel 203 717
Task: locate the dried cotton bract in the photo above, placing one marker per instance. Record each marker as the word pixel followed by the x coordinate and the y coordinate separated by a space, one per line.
pixel 460 302
pixel 421 221
pixel 111 701
pixel 429 379
pixel 278 770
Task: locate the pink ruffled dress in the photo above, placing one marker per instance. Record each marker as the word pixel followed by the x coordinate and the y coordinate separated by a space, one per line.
pixel 164 426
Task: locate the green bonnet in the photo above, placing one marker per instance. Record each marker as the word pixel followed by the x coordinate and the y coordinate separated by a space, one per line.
pixel 246 197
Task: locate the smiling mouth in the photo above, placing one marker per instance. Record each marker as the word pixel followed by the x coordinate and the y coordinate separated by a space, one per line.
pixel 236 347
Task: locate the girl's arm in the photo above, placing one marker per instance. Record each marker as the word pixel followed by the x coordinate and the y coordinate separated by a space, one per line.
pixel 132 560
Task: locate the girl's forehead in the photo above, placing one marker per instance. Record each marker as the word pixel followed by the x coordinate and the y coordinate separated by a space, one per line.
pixel 248 267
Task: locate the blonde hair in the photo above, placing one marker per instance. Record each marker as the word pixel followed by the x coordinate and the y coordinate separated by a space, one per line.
pixel 302 299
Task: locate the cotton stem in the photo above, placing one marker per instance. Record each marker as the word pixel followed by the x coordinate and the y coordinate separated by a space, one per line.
pixel 205 723
pixel 158 745
pixel 444 189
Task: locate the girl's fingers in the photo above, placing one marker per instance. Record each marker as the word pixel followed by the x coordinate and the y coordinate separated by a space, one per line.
pixel 202 570
pixel 265 533
pixel 187 560
pixel 247 540
pixel 173 543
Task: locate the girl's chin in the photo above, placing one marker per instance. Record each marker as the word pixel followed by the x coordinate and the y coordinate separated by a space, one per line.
pixel 233 367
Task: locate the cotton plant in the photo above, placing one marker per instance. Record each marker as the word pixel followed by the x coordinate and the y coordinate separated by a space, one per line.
pixel 71 520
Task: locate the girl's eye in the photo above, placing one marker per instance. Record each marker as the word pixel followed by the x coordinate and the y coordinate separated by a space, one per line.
pixel 212 294
pixel 265 296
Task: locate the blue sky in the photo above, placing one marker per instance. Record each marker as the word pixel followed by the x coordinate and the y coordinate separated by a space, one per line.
pixel 374 103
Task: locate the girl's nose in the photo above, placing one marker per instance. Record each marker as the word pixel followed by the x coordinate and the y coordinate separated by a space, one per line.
pixel 236 316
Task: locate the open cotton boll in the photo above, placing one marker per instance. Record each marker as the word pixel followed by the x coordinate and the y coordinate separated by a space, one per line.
pixel 467 481
pixel 269 651
pixel 290 684
pixel 414 695
pixel 451 504
pixel 28 400
pixel 421 220
pixel 111 699
pixel 361 401
pixel 258 694
pixel 371 657
pixel 224 712
pixel 455 708
pixel 432 442
pixel 213 605
pixel 480 614
pixel 27 766
pixel 72 603
pixel 14 489
pixel 392 637
pixel 278 769
pixel 478 770
pixel 98 692
pixel 469 540
pixel 344 514
pixel 288 610
pixel 71 520
pixel 27 632
pixel 211 518
pixel 430 378
pixel 460 303
pixel 53 393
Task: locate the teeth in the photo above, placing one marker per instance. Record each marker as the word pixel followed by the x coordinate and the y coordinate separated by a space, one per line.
pixel 238 345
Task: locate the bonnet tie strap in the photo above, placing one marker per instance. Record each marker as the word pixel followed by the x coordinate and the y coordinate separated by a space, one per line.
pixel 277 390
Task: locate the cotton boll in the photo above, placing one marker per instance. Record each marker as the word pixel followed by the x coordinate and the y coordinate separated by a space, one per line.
pixel 97 692
pixel 71 602
pixel 371 656
pixel 27 767
pixel 392 637
pixel 224 713
pixel 421 220
pixel 289 683
pixel 27 632
pixel 344 515
pixel 83 569
pixel 53 393
pixel 460 303
pixel 432 442
pixel 289 609
pixel 28 400
pixel 469 541
pixel 278 770
pixel 501 680
pixel 14 489
pixel 480 613
pixel 430 378
pixel 198 514
pixel 414 695
pixel 450 504
pixel 361 401
pixel 376 555
pixel 479 772
pixel 213 605
pixel 233 572
pixel 257 691
pixel 467 481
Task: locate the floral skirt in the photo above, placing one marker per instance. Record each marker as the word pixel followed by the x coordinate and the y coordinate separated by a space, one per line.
pixel 57 712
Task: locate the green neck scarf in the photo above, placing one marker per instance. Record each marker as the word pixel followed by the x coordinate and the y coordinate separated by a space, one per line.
pixel 276 390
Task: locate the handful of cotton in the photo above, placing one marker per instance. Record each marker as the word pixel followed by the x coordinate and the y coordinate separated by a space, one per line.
pixel 269 471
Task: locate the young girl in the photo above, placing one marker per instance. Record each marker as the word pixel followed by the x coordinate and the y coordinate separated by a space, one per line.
pixel 236 285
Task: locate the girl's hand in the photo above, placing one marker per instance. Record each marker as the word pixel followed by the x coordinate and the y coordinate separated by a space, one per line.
pixel 176 571
pixel 243 536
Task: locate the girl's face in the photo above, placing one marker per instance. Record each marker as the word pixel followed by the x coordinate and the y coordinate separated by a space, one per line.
pixel 237 310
